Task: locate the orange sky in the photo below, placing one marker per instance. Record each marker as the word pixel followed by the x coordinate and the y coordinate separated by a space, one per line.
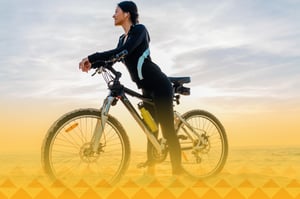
pixel 24 123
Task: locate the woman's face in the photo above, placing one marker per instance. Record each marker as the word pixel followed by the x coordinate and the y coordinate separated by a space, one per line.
pixel 120 17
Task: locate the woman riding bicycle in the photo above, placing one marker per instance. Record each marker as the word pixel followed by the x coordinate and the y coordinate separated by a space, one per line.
pixel 146 74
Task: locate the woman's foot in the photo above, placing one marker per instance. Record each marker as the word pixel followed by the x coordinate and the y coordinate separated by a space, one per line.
pixel 148 163
pixel 150 167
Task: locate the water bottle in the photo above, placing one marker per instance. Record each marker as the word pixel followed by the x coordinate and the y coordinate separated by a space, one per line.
pixel 147 118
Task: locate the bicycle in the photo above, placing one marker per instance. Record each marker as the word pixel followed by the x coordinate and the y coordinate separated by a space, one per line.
pixel 92 144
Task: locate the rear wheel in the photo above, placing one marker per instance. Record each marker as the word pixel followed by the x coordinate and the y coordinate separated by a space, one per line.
pixel 203 143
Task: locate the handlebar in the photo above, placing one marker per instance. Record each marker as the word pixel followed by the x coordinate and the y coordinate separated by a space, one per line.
pixel 102 65
pixel 121 54
pixel 108 63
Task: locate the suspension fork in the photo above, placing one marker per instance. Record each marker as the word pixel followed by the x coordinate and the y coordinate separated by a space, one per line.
pixel 100 125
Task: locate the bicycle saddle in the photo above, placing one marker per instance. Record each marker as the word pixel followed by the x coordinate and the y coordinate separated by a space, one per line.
pixel 179 80
pixel 178 85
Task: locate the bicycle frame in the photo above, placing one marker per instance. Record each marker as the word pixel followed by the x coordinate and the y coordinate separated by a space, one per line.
pixel 122 91
pixel 104 115
pixel 118 92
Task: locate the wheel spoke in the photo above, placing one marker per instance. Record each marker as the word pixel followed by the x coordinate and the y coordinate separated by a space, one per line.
pixel 210 158
pixel 68 152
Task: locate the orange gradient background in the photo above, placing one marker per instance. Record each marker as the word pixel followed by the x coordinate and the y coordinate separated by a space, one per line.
pixel 242 57
pixel 25 122
pixel 267 134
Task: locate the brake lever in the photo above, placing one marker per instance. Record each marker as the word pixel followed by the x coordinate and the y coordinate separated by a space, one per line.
pixel 98 70
pixel 94 73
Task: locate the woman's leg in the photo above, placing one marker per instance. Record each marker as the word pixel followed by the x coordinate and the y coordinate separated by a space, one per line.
pixel 163 98
pixel 150 161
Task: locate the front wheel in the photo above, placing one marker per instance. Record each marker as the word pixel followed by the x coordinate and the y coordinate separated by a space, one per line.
pixel 203 143
pixel 67 154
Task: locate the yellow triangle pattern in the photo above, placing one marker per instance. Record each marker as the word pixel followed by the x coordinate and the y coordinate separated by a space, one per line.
pixel 155 183
pixel 282 193
pixel 130 184
pixel 246 184
pixel 104 184
pixel 67 194
pixel 117 193
pixel 7 184
pixel 35 184
pixel 222 184
pixel 57 184
pixel 234 194
pixel 270 184
pixel 90 194
pixel 166 194
pixel 219 187
pixel 44 194
pixel 2 196
pixel 294 184
pixel 259 194
pixel 177 183
pixel 142 194
pixel 21 194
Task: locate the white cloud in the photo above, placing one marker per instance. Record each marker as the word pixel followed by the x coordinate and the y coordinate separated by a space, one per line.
pixel 233 47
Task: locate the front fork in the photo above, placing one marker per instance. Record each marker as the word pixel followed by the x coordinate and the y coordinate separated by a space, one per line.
pixel 100 125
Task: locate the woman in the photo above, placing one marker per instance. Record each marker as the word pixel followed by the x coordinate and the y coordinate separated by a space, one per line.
pixel 146 74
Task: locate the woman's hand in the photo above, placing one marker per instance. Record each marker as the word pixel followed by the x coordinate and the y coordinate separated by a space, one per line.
pixel 85 65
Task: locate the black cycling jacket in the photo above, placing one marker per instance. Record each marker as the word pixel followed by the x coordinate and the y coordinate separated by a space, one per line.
pixel 142 70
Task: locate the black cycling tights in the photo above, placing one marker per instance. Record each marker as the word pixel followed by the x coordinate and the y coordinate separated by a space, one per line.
pixel 163 114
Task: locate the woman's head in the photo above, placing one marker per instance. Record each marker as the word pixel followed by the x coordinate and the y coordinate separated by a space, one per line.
pixel 126 9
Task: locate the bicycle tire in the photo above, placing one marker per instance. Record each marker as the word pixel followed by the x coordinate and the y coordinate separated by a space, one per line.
pixel 65 145
pixel 210 160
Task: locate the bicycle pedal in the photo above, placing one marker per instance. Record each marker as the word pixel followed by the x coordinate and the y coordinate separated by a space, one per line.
pixel 145 164
pixel 182 137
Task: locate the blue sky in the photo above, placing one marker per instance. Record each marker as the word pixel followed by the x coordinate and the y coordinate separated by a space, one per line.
pixel 242 55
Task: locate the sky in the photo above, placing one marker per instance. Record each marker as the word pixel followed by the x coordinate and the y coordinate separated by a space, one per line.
pixel 243 57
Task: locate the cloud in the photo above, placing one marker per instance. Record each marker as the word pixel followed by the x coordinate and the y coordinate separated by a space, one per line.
pixel 242 71
pixel 43 43
pixel 246 48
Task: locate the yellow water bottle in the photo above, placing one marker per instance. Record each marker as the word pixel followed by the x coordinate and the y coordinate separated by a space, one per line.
pixel 147 118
